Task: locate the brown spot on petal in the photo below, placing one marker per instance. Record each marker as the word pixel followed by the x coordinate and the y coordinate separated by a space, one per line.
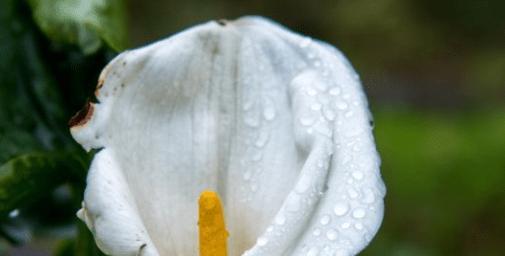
pixel 82 117
pixel 101 80
pixel 99 86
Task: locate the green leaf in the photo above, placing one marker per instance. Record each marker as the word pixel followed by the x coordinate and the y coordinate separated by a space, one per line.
pixel 40 87
pixel 30 107
pixel 82 22
pixel 25 178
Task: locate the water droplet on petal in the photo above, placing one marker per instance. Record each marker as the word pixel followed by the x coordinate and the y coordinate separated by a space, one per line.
pixel 331 235
pixel 313 251
pixel 256 156
pixel 340 209
pixel 251 121
pixel 307 120
pixel 268 110
pixel 335 91
pixel 303 184
pixel 254 187
pixel 352 193
pixel 325 130
pixel 359 213
pixel 317 232
pixel 247 105
pixel 262 241
pixel 341 252
pixel 316 106
pixel 341 105
pixel 311 91
pixel 345 225
pixel 358 226
pixel 247 175
pixel 262 139
pixel 325 220
pixel 357 175
pixel 305 42
pixel 329 114
pixel 280 219
pixel 368 196
pixel 293 203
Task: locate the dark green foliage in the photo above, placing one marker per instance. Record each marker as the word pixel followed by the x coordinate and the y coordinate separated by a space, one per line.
pixel 45 77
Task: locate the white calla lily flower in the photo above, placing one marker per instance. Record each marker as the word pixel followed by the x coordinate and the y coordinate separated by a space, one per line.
pixel 276 123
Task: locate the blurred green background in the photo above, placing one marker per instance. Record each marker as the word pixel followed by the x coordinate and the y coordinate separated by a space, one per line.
pixel 434 72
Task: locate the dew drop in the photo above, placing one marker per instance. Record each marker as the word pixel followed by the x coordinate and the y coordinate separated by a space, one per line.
pixel 325 130
pixel 331 235
pixel 280 219
pixel 305 42
pixel 313 251
pixel 247 175
pixel 368 196
pixel 262 139
pixel 325 220
pixel 329 114
pixel 256 156
pixel 316 106
pixel 358 226
pixel 352 193
pixel 341 252
pixel 341 105
pixel 303 185
pixel 307 120
pixel 262 241
pixel 269 110
pixel 247 105
pixel 254 187
pixel 345 225
pixel 349 114
pixel 269 114
pixel 321 86
pixel 357 175
pixel 340 209
pixel 335 91
pixel 359 213
pixel 316 232
pixel 293 203
pixel 251 121
pixel 311 91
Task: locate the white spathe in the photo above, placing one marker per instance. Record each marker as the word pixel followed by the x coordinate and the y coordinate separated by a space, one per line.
pixel 275 122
